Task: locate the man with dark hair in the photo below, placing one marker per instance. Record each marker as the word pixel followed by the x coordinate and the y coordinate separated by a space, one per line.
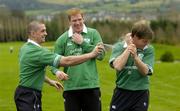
pixel 33 59
pixel 82 89
pixel 133 61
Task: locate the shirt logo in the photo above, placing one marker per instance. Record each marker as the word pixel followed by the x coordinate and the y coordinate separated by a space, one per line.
pixel 87 40
pixel 77 51
pixel 141 56
pixel 69 43
pixel 113 107
pixel 145 104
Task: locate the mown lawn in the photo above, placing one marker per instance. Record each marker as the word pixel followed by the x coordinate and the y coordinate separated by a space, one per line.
pixel 164 83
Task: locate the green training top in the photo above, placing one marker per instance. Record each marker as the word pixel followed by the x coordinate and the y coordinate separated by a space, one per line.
pixel 85 75
pixel 129 77
pixel 33 60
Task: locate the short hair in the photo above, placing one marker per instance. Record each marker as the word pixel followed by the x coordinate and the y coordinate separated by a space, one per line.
pixel 74 11
pixel 142 30
pixel 33 26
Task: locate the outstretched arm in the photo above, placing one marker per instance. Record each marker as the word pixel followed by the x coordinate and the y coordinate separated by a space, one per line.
pixel 74 60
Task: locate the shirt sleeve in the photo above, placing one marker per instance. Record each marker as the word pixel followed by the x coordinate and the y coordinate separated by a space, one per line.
pixel 116 51
pixel 49 58
pixel 148 59
pixel 58 49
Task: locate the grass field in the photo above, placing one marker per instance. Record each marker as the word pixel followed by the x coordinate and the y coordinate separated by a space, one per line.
pixel 164 83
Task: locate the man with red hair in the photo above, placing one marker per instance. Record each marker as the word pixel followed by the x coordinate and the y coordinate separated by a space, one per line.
pixel 81 90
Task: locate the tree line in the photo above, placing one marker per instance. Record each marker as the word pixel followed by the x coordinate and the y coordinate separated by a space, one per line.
pixel 13 28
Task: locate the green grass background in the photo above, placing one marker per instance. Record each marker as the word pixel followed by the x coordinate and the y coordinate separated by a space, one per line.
pixel 164 90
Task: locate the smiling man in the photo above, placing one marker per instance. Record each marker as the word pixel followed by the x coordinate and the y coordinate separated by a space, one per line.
pixel 33 59
pixel 81 90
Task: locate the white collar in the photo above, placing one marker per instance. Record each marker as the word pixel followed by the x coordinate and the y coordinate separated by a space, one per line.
pixel 33 42
pixel 125 46
pixel 70 31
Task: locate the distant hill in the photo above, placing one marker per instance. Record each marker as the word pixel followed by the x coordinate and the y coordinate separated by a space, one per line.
pixel 93 6
pixel 66 2
pixel 27 5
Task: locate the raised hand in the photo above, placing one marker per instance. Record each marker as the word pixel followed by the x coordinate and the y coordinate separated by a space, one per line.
pixel 101 45
pixel 77 38
pixel 98 49
pixel 128 38
pixel 133 50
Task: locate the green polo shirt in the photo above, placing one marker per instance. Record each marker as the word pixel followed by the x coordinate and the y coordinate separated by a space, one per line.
pixel 33 60
pixel 129 77
pixel 85 75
